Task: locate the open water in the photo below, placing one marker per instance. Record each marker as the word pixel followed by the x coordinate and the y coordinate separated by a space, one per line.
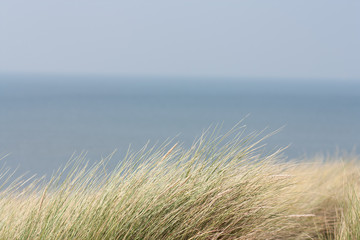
pixel 45 119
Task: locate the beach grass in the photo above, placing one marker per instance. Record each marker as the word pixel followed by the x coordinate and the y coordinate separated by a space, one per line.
pixel 222 187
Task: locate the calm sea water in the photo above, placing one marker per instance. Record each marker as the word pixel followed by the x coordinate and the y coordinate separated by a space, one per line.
pixel 45 119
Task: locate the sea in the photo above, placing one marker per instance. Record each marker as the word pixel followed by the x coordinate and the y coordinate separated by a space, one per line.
pixel 45 119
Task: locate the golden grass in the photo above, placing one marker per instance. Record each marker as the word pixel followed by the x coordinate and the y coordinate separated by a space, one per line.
pixel 220 188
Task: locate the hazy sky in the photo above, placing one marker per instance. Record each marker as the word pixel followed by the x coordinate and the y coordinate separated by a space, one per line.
pixel 220 38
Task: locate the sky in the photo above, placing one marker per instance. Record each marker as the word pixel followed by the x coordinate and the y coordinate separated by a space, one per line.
pixel 298 39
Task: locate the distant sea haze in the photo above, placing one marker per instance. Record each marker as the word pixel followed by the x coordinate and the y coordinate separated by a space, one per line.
pixel 45 119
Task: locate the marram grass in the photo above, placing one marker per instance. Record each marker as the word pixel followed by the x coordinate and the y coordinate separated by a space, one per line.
pixel 220 188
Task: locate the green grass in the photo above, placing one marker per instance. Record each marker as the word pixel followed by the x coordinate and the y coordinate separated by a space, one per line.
pixel 223 187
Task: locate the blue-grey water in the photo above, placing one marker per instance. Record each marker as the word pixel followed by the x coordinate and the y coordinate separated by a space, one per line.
pixel 45 119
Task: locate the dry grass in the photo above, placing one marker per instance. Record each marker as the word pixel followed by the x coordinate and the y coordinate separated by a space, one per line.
pixel 220 188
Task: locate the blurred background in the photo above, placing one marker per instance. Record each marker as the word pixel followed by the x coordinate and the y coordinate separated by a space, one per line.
pixel 98 76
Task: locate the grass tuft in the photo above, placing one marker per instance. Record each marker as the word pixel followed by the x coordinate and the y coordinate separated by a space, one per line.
pixel 223 187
